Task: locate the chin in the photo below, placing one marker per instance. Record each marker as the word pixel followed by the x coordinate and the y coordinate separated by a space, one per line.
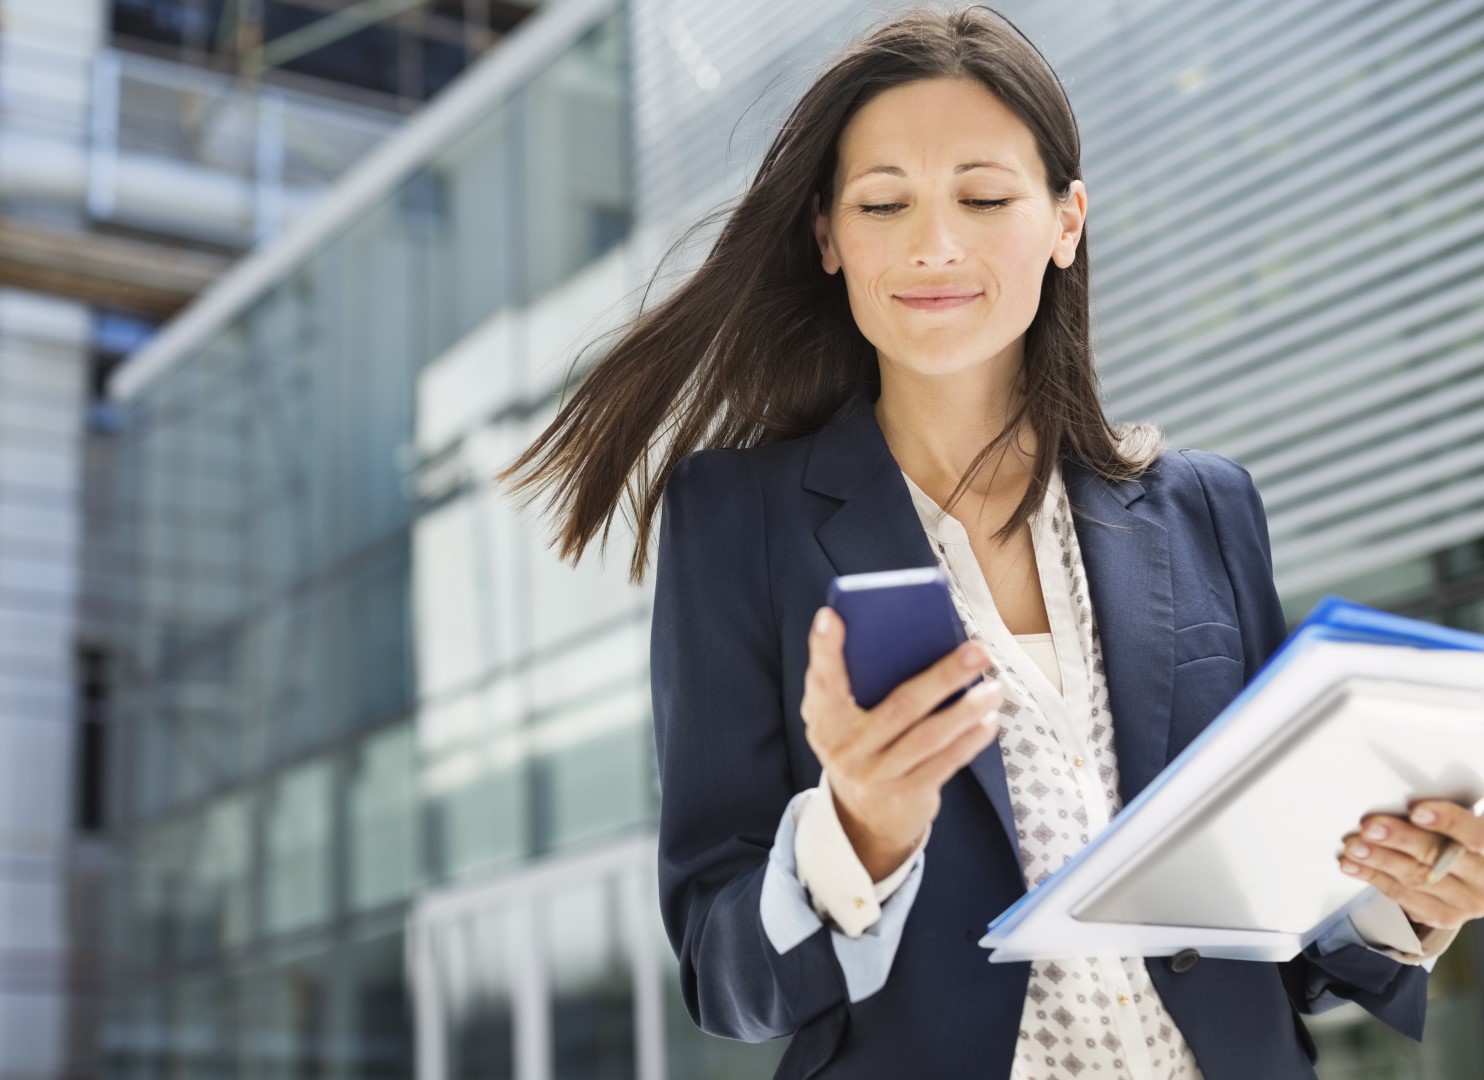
pixel 945 360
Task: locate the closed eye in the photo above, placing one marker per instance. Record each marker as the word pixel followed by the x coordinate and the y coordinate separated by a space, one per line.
pixel 885 209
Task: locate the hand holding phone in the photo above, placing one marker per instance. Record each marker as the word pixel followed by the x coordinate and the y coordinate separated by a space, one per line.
pixel 886 709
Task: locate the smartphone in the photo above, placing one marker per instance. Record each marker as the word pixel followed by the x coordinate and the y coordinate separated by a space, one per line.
pixel 898 623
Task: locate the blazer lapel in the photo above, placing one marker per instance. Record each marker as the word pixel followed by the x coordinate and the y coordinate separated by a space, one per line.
pixel 877 528
pixel 1126 556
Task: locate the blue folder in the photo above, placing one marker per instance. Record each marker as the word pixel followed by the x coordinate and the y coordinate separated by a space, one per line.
pixel 1332 619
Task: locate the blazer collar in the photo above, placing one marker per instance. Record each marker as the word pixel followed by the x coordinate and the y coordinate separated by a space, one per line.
pixel 1126 555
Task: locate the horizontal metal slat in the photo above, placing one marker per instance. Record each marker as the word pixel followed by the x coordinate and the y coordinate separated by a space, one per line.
pixel 1349 311
pixel 1337 564
pixel 1265 95
pixel 1382 453
pixel 1353 145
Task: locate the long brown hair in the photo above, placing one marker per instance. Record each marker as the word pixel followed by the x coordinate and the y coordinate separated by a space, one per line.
pixel 760 345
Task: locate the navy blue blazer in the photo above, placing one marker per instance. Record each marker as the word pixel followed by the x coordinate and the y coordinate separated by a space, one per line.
pixel 1180 572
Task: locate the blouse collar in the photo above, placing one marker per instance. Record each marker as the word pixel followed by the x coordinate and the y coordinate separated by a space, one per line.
pixel 943 526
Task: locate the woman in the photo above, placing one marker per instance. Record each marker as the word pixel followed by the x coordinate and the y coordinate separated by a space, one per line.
pixel 900 299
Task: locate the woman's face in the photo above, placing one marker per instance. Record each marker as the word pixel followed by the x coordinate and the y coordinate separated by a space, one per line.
pixel 914 216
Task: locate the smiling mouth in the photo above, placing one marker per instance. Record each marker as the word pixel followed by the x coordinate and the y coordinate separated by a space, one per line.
pixel 937 303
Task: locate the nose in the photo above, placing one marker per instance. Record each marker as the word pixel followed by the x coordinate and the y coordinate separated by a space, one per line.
pixel 934 240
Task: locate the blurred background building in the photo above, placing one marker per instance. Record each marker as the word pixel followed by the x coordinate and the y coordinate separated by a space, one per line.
pixel 316 761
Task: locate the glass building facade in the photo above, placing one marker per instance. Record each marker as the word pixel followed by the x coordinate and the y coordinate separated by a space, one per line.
pixel 382 768
pixel 345 680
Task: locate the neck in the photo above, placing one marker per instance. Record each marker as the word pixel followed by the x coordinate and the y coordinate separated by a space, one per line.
pixel 936 427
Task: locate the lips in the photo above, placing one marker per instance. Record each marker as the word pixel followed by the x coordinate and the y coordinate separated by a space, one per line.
pixel 938 299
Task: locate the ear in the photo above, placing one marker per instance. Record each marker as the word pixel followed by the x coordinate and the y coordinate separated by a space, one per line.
pixel 828 258
pixel 1071 213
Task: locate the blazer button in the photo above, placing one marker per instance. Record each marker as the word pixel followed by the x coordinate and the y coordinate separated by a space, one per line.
pixel 1182 961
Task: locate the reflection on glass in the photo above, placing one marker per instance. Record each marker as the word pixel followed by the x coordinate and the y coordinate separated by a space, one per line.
pixel 156 870
pixel 469 270
pixel 383 850
pixel 475 984
pixel 298 848
pixel 592 988
pixel 288 644
pixel 133 1039
pixel 380 1040
pixel 372 642
pixel 478 813
pixel 214 898
pixel 289 1022
pixel 204 1030
pixel 596 785
pixel 573 152
pixel 1464 562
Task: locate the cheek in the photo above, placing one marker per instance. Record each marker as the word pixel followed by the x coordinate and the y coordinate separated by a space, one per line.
pixel 1005 259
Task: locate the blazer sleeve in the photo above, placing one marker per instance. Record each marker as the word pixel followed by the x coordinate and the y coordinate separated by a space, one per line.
pixel 1391 990
pixel 725 783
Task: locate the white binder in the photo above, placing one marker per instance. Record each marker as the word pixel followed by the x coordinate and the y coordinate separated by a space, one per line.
pixel 1231 850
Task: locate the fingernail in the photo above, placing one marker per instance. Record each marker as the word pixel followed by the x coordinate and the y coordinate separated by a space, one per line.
pixel 822 620
pixel 973 657
pixel 1423 816
pixel 1360 851
pixel 1350 868
pixel 1376 832
pixel 981 691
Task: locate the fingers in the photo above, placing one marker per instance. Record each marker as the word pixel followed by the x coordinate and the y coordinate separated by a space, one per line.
pixel 1417 842
pixel 1452 820
pixel 1470 870
pixel 912 700
pixel 830 714
pixel 1404 870
pixel 1449 903
pixel 827 654
pixel 942 766
pixel 1399 835
pixel 935 733
pixel 852 741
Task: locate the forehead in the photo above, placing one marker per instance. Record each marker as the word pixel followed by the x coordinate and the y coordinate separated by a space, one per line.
pixel 932 125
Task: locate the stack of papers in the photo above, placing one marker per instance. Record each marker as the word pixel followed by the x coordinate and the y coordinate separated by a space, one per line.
pixel 1231 850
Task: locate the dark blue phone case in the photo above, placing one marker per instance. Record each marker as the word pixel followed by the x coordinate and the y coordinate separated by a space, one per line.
pixel 898 623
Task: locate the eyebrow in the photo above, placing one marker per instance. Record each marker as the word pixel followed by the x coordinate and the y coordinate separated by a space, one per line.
pixel 893 170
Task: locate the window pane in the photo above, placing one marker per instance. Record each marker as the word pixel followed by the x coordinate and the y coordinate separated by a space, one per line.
pixel 155 870
pixel 478 812
pixel 598 785
pixel 133 1039
pixel 472 961
pixel 592 987
pixel 298 849
pixel 380 1040
pixel 215 893
pixel 203 1030
pixel 288 1030
pixel 371 643
pixel 574 154
pixel 383 845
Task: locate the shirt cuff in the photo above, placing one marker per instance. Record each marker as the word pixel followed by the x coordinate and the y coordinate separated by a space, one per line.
pixel 839 885
pixel 788 917
pixel 1380 924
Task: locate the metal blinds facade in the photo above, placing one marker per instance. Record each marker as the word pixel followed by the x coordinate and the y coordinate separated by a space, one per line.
pixel 1286 203
pixel 1292 271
